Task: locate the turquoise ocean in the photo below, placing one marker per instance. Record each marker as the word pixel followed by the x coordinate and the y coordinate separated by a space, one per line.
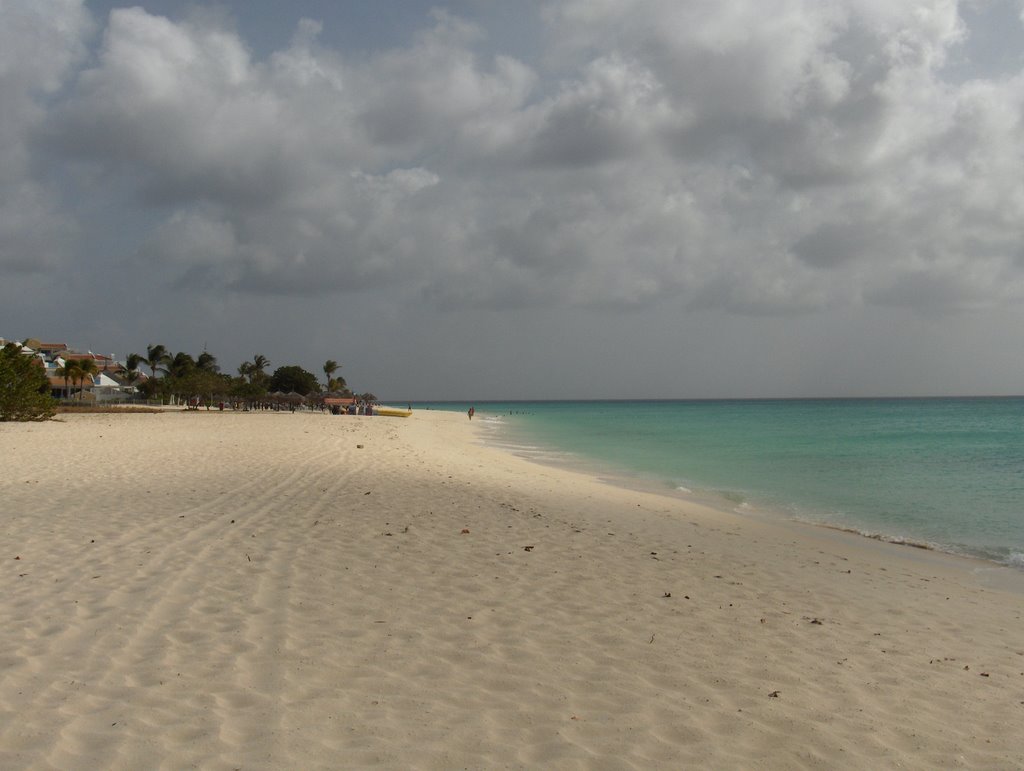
pixel 946 473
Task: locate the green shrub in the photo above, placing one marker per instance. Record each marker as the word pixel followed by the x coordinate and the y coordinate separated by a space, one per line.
pixel 24 389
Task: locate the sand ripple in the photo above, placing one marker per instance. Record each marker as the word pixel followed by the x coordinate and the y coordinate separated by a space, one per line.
pixel 256 591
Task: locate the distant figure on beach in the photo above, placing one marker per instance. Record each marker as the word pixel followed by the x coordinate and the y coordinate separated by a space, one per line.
pixel 472 412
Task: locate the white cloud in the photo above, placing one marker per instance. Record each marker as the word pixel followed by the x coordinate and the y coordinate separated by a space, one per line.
pixel 179 108
pixel 765 157
pixel 438 93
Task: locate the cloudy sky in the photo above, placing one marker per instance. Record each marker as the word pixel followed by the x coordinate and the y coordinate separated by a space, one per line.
pixel 541 199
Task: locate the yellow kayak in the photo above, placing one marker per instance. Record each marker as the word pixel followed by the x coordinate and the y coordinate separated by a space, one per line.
pixel 392 412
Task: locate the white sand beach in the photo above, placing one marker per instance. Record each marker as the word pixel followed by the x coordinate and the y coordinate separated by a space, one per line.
pixel 301 591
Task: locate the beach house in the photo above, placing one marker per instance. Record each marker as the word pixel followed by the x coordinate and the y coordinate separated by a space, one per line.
pixel 110 381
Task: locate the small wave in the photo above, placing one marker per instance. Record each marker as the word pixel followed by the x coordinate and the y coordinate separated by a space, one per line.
pixel 899 540
pixel 535 453
pixel 995 555
pixel 683 489
pixel 733 497
pixel 514 447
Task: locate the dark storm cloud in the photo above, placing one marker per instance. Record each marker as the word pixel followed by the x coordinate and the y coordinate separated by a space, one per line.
pixel 36 58
pixel 833 244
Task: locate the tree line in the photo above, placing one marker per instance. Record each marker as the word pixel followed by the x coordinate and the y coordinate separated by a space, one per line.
pixel 25 389
pixel 180 376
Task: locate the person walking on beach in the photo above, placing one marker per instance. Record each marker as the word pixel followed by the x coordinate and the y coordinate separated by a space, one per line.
pixel 472 412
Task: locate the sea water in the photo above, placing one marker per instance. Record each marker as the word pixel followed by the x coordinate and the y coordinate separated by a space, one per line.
pixel 946 473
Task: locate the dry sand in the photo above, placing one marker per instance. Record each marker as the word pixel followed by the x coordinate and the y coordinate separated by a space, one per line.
pixel 304 591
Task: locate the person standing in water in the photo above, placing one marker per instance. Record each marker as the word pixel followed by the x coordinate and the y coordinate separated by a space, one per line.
pixel 472 412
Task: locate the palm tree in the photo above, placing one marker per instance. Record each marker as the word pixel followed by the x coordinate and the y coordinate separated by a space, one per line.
pixel 259 363
pixel 180 365
pixel 129 376
pixel 87 369
pixel 246 369
pixel 156 356
pixel 69 372
pixel 330 367
pixel 207 362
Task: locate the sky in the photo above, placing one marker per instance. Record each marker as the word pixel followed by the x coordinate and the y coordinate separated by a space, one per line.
pixel 546 199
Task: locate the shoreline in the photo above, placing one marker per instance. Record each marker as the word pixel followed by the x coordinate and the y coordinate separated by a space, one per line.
pixel 997 574
pixel 289 590
pixel 554 457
